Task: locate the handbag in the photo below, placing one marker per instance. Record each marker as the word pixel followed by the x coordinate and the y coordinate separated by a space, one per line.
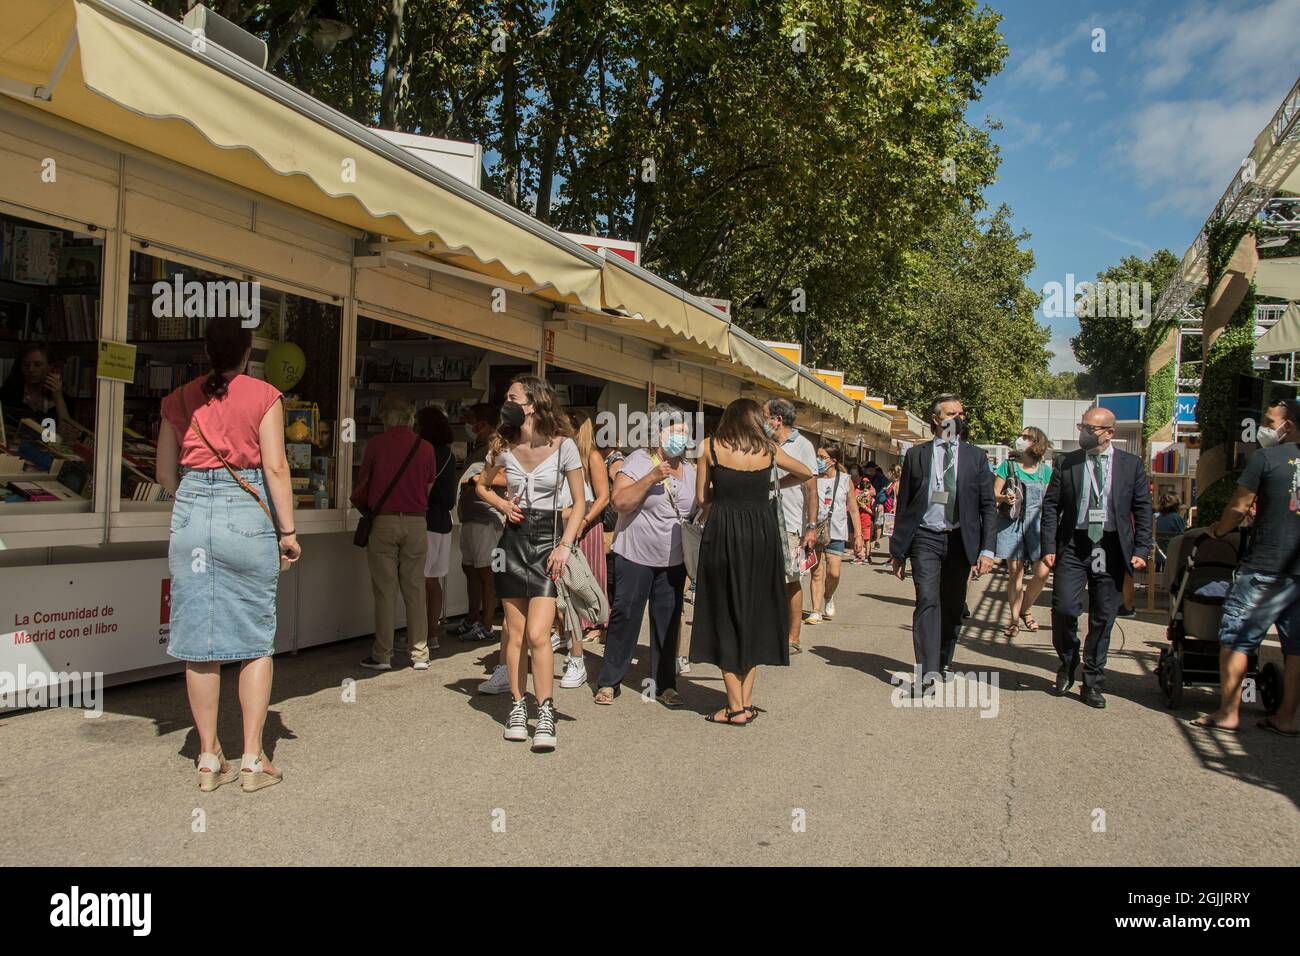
pixel 692 531
pixel 824 525
pixel 791 566
pixel 194 424
pixel 361 537
pixel 1017 487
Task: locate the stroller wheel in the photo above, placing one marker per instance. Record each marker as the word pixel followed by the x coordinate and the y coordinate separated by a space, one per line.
pixel 1162 678
pixel 1174 688
pixel 1269 682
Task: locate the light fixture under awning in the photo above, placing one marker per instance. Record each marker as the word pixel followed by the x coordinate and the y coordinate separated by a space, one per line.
pixel 134 77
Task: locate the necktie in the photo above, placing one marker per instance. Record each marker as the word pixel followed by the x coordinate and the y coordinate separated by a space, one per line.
pixel 1095 528
pixel 950 483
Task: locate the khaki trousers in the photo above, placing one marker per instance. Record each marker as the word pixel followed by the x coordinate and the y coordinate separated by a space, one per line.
pixel 396 555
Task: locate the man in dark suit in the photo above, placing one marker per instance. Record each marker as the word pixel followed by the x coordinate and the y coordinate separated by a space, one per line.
pixel 945 520
pixel 1096 525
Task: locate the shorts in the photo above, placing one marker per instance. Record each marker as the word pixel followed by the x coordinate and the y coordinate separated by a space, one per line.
pixel 836 546
pixel 437 556
pixel 796 550
pixel 1257 601
pixel 478 540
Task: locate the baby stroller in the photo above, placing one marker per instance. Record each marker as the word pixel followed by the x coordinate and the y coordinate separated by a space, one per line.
pixel 1198 573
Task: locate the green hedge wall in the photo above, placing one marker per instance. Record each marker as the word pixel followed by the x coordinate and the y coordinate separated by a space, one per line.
pixel 1162 390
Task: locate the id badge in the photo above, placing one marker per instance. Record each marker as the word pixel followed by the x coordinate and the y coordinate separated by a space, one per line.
pixel 1096 516
pixel 938 497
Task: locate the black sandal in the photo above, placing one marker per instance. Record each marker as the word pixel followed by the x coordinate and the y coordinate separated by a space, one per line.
pixel 730 714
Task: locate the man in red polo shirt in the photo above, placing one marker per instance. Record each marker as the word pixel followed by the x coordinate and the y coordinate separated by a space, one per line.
pixel 397 537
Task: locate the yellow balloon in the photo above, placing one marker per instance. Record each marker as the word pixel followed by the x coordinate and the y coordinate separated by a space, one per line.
pixel 285 365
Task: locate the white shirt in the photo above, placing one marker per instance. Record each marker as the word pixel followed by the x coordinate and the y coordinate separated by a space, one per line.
pixel 837 508
pixel 934 517
pixel 538 488
pixel 1087 478
pixel 800 449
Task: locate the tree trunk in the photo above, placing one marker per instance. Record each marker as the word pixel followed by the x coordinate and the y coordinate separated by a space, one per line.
pixel 391 89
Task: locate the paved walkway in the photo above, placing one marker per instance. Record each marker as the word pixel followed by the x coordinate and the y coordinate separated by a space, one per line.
pixel 415 771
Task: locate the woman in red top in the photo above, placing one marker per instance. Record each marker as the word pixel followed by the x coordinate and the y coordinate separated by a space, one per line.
pixel 223 458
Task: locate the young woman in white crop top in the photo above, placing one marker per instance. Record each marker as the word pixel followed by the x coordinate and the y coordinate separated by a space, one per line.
pixel 534 447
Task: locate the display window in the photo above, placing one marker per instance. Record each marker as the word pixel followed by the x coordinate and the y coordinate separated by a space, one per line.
pixel 426 370
pixel 296 343
pixel 51 283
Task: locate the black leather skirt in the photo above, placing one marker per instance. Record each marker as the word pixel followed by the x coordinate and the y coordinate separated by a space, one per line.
pixel 520 569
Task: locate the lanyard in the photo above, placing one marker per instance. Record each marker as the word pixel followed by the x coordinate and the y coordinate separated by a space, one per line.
pixel 939 473
pixel 1092 482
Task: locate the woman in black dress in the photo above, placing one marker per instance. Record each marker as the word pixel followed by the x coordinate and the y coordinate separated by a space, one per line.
pixel 740 602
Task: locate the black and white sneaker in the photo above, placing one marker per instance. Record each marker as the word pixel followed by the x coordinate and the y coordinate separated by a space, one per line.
pixel 517 722
pixel 544 732
pixel 370 663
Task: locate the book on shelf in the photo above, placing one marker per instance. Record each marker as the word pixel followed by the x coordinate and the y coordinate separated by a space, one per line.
pixel 31 491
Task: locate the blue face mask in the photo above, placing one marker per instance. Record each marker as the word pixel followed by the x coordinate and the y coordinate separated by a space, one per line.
pixel 821 466
pixel 673 444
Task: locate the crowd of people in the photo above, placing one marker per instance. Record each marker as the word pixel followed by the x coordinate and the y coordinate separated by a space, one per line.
pixel 578 543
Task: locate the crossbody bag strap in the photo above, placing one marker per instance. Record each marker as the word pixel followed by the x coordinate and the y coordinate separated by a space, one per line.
pixel 400 470
pixel 668 488
pixel 194 423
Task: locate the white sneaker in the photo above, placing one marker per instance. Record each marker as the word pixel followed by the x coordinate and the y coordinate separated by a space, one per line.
pixel 557 642
pixel 829 613
pixel 544 732
pixel 683 665
pixel 813 618
pixel 575 672
pixel 498 683
pixel 517 722
pixel 420 665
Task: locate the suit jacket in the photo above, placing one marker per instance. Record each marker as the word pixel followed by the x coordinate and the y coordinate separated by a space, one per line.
pixel 976 508
pixel 1129 495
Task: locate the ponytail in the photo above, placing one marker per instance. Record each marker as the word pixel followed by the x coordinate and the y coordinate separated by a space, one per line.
pixel 228 341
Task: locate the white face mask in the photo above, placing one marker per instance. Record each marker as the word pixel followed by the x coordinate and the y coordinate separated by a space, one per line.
pixel 1022 443
pixel 1268 437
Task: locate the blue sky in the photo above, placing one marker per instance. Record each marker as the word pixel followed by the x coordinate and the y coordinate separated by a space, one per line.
pixel 1122 152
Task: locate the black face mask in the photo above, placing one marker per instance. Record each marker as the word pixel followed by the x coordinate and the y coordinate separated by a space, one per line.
pixel 959 428
pixel 512 415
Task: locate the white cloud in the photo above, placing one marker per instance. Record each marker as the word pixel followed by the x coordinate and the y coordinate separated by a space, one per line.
pixel 1125 240
pixel 1063 359
pixel 1187 152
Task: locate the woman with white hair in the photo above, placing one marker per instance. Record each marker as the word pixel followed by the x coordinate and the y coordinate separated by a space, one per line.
pixel 398 469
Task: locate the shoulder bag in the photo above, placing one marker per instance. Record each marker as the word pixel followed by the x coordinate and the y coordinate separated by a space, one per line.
pixel 194 424
pixel 824 525
pixel 1013 484
pixel 361 537
pixel 692 531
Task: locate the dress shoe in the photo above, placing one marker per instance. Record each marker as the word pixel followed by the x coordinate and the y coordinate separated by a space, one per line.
pixel 1064 679
pixel 1093 698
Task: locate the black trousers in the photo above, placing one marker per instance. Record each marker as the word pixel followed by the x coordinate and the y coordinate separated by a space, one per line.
pixel 940 572
pixel 1101 567
pixel 639 585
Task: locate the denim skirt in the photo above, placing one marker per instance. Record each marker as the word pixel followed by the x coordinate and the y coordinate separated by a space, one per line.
pixel 224 560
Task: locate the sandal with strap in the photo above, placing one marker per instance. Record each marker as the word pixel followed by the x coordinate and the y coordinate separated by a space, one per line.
pixel 605 695
pixel 253 777
pixel 729 721
pixel 1029 622
pixel 210 773
pixel 1011 630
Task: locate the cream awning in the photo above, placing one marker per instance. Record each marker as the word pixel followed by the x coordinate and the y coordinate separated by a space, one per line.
pixel 1279 277
pixel 771 368
pixel 695 326
pixel 134 76
pixel 1284 336
pixel 817 393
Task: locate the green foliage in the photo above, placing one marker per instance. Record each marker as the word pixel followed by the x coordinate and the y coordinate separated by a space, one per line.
pixel 1211 501
pixel 1074 386
pixel 1111 349
pixel 955 315
pixel 1162 400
